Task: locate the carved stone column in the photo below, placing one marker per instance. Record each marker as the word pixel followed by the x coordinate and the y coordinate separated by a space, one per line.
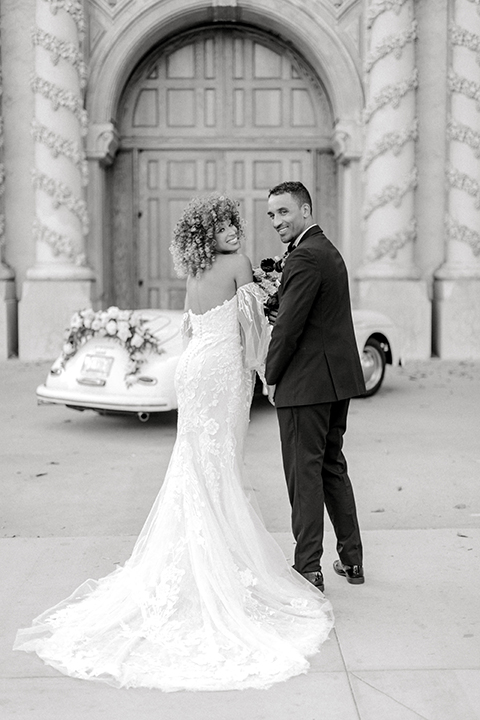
pixel 8 303
pixel 102 143
pixel 457 286
pixel 60 281
pixel 347 147
pixel 388 279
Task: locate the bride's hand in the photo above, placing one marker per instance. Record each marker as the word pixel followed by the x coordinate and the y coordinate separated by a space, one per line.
pixel 271 394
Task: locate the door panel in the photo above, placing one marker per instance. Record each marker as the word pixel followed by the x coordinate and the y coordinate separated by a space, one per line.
pixel 219 109
pixel 250 175
pixel 220 82
pixel 168 180
pixel 121 278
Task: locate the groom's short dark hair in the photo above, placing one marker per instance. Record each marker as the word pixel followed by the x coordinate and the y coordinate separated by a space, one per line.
pixel 296 190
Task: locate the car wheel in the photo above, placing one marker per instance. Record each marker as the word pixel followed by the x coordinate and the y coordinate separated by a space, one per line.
pixel 373 366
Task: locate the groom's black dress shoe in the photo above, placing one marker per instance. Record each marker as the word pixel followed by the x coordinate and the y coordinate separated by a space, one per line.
pixel 353 573
pixel 316 578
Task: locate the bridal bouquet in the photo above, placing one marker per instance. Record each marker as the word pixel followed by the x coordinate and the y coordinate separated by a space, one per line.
pixel 268 277
pixel 125 326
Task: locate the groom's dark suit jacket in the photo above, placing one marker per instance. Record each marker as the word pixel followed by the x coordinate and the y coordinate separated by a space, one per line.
pixel 313 356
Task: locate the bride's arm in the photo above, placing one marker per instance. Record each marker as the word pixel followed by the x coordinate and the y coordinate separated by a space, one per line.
pixel 243 270
pixel 186 329
pixel 254 326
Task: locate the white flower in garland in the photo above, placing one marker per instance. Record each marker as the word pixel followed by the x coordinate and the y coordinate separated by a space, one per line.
pixel 124 326
pixel 381 6
pixel 391 95
pixel 73 8
pixel 61 49
pixel 61 194
pixel 59 97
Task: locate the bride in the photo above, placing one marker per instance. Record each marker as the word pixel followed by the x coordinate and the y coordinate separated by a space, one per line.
pixel 207 600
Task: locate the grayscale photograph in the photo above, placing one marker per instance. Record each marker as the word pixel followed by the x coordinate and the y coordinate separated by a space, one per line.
pixel 240 359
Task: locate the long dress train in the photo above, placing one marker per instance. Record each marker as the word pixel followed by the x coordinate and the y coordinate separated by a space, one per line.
pixel 207 600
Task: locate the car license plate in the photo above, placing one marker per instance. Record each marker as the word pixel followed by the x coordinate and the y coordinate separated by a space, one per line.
pixel 96 367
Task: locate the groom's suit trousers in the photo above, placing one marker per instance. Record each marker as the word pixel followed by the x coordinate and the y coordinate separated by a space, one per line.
pixel 316 474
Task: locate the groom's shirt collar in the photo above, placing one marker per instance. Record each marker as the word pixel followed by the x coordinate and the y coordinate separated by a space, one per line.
pixel 297 240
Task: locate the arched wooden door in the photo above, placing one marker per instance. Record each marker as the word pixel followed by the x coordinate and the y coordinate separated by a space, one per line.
pixel 219 110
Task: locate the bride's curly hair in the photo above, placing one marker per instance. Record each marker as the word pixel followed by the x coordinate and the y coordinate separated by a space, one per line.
pixel 193 244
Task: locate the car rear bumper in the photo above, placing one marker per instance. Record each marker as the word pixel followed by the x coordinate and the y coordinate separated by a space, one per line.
pixel 48 396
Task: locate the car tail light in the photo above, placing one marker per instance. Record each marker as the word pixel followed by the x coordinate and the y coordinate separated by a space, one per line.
pixel 146 380
pixel 97 382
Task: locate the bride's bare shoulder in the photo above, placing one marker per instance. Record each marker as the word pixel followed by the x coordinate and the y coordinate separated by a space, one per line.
pixel 237 265
pixel 234 259
pixel 243 261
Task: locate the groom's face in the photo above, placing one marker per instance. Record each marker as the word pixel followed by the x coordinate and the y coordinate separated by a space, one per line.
pixel 288 217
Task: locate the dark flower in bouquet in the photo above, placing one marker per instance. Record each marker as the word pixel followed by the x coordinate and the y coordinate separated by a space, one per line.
pixel 270 265
pixel 268 277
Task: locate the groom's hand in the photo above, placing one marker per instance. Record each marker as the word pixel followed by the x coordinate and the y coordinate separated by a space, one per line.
pixel 271 394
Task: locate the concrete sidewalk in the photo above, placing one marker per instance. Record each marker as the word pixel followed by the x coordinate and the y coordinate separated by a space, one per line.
pixel 406 645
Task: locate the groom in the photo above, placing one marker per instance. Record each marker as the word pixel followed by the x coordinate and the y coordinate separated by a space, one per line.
pixel 313 369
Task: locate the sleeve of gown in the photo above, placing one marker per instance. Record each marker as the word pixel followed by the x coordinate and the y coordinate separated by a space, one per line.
pixel 255 329
pixel 186 329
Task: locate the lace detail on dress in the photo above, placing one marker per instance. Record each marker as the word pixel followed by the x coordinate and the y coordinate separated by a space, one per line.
pixel 206 600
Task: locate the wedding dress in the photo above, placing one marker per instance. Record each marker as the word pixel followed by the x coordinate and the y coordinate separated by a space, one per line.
pixel 207 600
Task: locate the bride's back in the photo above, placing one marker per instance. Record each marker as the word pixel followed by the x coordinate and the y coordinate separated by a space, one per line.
pixel 218 283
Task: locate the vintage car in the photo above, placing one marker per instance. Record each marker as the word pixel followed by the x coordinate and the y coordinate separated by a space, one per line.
pixel 124 361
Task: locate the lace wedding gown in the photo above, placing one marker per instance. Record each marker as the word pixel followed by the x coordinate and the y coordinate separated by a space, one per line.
pixel 207 600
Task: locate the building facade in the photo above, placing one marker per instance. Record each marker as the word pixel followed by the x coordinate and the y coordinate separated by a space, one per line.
pixel 114 113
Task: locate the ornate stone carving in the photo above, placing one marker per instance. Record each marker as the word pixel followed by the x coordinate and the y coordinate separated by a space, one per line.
pixel 58 251
pixel 6 273
pixel 392 193
pixel 455 231
pixel 381 6
pixel 61 49
pixel 390 246
pixel 346 141
pixel 61 98
pixel 464 38
pixel 465 134
pixel 462 181
pixel 103 141
pixel 59 243
pixel 391 44
pixel 61 146
pixel 392 138
pixel 393 141
pixel 61 194
pixel 340 141
pixel 462 172
pixel 391 95
pixel 462 85
pixel 73 8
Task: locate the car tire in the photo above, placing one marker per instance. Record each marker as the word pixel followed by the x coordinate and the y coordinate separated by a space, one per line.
pixel 373 366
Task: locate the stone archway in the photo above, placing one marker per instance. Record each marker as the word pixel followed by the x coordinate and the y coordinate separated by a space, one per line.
pixel 122 49
pixel 219 109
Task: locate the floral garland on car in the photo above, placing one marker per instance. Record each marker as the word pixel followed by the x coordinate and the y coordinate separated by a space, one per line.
pixel 268 277
pixel 125 326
